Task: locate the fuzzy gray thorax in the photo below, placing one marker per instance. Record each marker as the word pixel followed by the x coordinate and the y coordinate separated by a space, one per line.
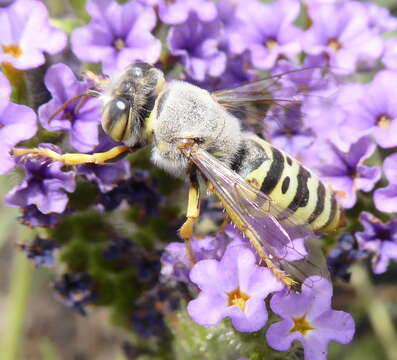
pixel 186 111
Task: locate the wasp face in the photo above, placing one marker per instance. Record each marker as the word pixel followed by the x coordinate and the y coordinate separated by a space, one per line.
pixel 129 101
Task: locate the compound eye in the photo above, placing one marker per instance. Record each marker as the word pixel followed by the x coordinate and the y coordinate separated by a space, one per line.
pixel 116 119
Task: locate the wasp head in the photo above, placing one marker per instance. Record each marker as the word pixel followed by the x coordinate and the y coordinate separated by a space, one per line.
pixel 129 100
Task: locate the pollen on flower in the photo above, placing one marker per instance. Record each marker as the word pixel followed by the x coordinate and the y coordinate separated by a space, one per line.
pixel 237 298
pixel 13 50
pixel 334 44
pixel 301 325
pixel 271 44
pixel 383 121
pixel 119 44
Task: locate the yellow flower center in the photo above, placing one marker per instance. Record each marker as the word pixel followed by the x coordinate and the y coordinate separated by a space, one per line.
pixel 271 44
pixel 119 44
pixel 301 325
pixel 334 44
pixel 13 50
pixel 383 122
pixel 237 298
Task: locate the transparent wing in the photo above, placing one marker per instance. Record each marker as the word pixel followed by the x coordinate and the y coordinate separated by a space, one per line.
pixel 279 97
pixel 283 236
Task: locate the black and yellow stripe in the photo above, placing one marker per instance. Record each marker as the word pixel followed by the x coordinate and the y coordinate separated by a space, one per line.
pixel 293 187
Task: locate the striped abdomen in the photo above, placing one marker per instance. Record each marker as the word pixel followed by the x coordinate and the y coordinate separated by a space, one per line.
pixel 292 186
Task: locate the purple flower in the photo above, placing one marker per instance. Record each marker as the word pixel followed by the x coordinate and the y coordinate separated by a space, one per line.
pixel 139 191
pixel 177 11
pixel 307 317
pixel 26 34
pixel 228 14
pixel 124 254
pixel 385 199
pixel 75 291
pixel 390 55
pixel 380 18
pixel 379 239
pixel 342 33
pixel 32 217
pixel 40 251
pixel 374 112
pixel 236 73
pixel 44 186
pixel 330 114
pixel 290 134
pixel 175 262
pixel 343 256
pixel 303 108
pixel 346 172
pixel 268 32
pixel 233 287
pixel 106 176
pixel 80 118
pixel 117 35
pixel 17 123
pixel 196 43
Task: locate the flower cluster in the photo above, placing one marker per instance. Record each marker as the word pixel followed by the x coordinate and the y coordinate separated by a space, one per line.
pixel 311 57
pixel 40 251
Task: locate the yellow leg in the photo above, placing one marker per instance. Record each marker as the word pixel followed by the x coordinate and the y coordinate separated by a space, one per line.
pixel 253 238
pixel 281 275
pixel 193 212
pixel 73 159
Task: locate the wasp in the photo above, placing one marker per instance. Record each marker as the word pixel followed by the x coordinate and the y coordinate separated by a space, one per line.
pixel 275 201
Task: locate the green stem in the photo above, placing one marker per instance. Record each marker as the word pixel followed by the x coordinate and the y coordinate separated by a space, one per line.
pixel 17 305
pixel 377 312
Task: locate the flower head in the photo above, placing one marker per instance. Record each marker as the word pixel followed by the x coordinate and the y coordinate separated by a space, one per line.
pixel 233 287
pixel 117 35
pixel 236 73
pixel 346 171
pixel 44 186
pixel 344 255
pixel 380 18
pixel 379 239
pixel 26 34
pixel 40 251
pixel 196 43
pixel 75 291
pixel 308 318
pixel 80 118
pixel 139 191
pixel 106 177
pixel 373 111
pixel 124 253
pixel 31 216
pixel 175 262
pixel 343 34
pixel 268 32
pixel 290 134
